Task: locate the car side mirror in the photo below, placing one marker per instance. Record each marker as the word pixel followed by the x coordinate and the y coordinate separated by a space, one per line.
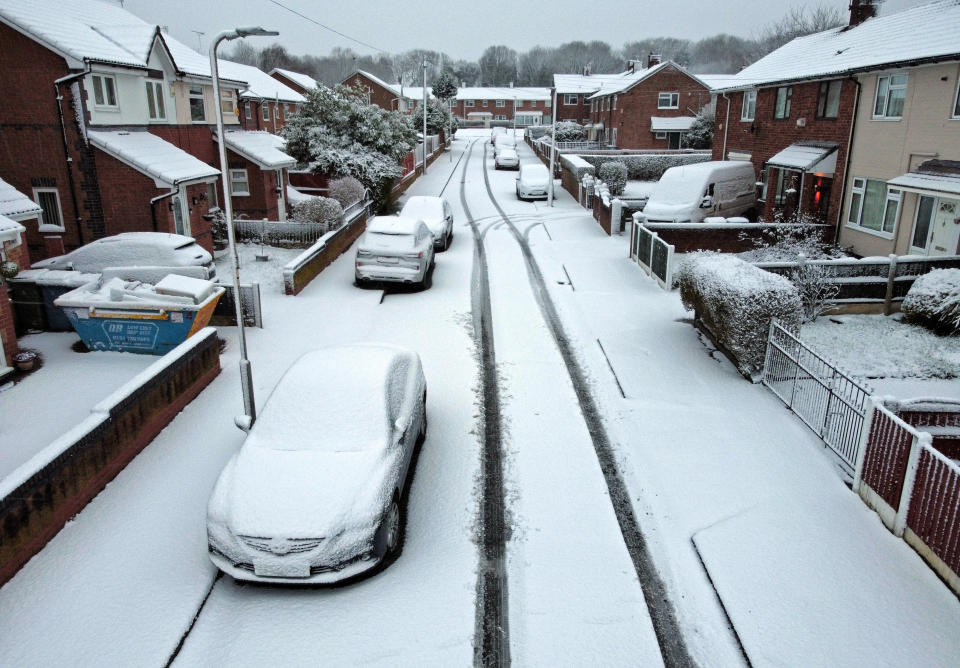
pixel 69 266
pixel 243 422
pixel 706 203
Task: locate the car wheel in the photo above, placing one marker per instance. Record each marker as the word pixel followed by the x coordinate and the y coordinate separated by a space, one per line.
pixel 390 533
pixel 446 240
pixel 427 281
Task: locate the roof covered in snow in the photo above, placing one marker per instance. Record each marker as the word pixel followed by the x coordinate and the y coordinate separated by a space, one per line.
pixel 263 148
pixel 194 64
pixel 586 83
pixel 14 204
pixel 502 93
pixel 296 77
pixel 669 124
pixel 717 81
pixel 152 156
pixel 807 156
pixel 259 84
pixel 927 33
pixel 932 177
pixel 82 30
pixel 626 83
pixel 10 230
pixel 393 88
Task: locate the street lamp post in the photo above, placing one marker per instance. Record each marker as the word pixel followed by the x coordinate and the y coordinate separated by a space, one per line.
pixel 553 147
pixel 424 115
pixel 246 373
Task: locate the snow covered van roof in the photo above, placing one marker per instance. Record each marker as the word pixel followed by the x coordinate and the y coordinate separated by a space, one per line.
pixel 15 205
pixel 262 148
pixel 82 30
pixel 259 84
pixel 152 156
pixel 296 77
pixel 928 33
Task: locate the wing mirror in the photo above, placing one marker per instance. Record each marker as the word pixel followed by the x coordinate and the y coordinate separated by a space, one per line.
pixel 400 425
pixel 706 203
pixel 243 422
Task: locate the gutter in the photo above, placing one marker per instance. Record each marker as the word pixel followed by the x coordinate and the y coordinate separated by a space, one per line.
pixel 846 163
pixel 66 147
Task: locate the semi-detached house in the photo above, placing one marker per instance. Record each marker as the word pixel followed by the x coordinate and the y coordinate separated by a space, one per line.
pixel 858 126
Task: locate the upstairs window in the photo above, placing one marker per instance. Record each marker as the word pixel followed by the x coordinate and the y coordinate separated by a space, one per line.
pixel 197 112
pixel 570 99
pixel 782 107
pixel 226 102
pixel 468 103
pixel 104 91
pixel 485 103
pixel 155 102
pixel 891 93
pixel 668 101
pixel 614 106
pixel 501 103
pixel 749 109
pixel 828 99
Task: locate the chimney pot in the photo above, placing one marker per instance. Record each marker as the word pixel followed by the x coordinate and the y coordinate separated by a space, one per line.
pixel 861 10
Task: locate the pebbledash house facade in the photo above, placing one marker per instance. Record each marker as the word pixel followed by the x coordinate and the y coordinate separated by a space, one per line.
pixel 113 128
pixel 857 127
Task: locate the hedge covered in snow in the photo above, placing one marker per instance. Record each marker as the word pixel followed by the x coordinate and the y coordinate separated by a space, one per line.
pixel 647 167
pixel 346 190
pixel 319 210
pixel 577 166
pixel 933 301
pixel 737 301
pixel 614 174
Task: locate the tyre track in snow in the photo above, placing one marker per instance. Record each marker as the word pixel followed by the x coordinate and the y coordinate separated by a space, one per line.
pixel 492 634
pixel 672 646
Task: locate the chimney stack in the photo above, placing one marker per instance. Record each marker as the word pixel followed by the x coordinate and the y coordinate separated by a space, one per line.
pixel 653 59
pixel 861 10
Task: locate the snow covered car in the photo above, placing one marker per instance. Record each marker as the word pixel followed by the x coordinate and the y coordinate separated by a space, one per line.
pixel 533 181
pixel 436 213
pixel 503 141
pixel 315 493
pixel 395 249
pixel 494 132
pixel 133 249
pixel 507 159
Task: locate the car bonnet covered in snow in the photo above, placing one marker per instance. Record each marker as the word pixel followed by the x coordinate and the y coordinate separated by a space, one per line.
pixel 427 209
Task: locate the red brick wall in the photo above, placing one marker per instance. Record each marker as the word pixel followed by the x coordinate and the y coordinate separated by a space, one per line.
pixel 573 112
pixel 262 202
pixel 256 122
pixel 7 331
pixel 766 136
pixel 379 95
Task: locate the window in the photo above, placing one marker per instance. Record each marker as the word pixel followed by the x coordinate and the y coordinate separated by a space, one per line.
pixel 660 135
pixel 921 227
pixel 485 102
pixel 276 110
pixel 239 185
pixel 468 103
pixel 500 117
pixel 615 136
pixel 891 92
pixel 548 103
pixel 226 101
pixel 873 206
pixel 788 181
pixel 614 104
pixel 668 101
pixel 265 109
pixel 956 101
pixel 49 200
pixel 570 99
pixel 155 102
pixel 782 107
pixel 749 109
pixel 247 111
pixel 104 91
pixel 501 103
pixel 197 112
pixel 828 99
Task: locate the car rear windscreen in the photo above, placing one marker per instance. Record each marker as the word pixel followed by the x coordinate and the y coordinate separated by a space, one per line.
pixel 396 242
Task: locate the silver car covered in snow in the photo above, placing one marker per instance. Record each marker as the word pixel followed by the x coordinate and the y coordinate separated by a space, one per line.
pixel 395 249
pixel 436 213
pixel 533 182
pixel 316 493
pixel 133 249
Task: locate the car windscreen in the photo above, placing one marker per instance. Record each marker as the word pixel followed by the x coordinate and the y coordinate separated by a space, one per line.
pixel 422 209
pixel 385 241
pixel 677 189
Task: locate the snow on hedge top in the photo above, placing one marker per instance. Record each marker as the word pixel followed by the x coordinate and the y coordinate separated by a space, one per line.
pixel 14 204
pixel 83 30
pixel 165 163
pixel 735 275
pixel 928 31
pixel 263 148
pixel 307 82
pixel 259 83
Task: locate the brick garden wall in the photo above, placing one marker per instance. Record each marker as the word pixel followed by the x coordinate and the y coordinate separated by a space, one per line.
pixel 93 454
pixel 322 254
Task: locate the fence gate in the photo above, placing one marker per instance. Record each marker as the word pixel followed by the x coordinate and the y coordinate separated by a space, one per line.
pixel 831 403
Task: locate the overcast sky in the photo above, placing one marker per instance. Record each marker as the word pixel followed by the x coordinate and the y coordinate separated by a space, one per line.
pixel 464 29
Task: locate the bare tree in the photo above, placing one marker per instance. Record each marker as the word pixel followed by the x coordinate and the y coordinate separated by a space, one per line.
pixel 498 65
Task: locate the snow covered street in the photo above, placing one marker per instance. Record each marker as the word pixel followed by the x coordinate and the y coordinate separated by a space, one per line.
pixel 765 556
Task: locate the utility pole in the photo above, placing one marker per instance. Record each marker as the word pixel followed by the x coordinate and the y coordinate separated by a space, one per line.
pixel 553 147
pixel 424 114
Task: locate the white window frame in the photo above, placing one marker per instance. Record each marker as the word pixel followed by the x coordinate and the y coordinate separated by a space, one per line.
pixel 247 110
pixel 614 107
pixel 570 99
pixel 234 191
pixel 104 103
pixel 276 110
pixel 892 195
pixel 956 102
pixel 156 87
pixel 501 103
pixel 265 110
pixel 500 117
pixel 660 135
pixel 748 110
pixel 468 103
pixel 787 102
pixel 229 97
pixel 191 96
pixel 485 103
pixel 883 114
pixel 45 225
pixel 672 100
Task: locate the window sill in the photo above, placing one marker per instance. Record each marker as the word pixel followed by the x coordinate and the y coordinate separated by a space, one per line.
pixel 99 107
pixel 747 120
pixel 240 194
pixel 866 230
pixel 51 229
pixel 884 119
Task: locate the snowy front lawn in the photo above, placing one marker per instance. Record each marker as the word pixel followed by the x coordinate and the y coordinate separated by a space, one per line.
pixel 269 273
pixel 638 189
pixel 876 347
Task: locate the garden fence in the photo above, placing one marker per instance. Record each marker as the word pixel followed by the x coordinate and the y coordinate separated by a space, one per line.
pixel 829 401
pixel 286 234
pixel 652 253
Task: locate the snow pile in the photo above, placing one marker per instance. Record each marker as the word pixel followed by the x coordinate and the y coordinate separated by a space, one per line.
pixel 934 301
pixel 614 174
pixel 737 301
pixel 577 166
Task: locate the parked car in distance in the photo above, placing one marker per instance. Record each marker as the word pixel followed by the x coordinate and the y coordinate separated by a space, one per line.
pixel 316 492
pixel 690 193
pixel 533 182
pixel 507 159
pixel 395 249
pixel 503 141
pixel 129 249
pixel 436 213
pixel 494 132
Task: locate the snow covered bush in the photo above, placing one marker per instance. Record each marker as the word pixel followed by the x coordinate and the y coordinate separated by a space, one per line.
pixel 737 301
pixel 346 190
pixel 816 287
pixel 614 174
pixel 933 301
pixel 324 210
pixel 647 167
pixel 700 134
pixel 570 131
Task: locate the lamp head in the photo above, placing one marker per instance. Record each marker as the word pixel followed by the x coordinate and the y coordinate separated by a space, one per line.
pixel 252 31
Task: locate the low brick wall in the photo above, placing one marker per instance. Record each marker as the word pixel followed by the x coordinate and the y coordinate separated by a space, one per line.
pixel 722 237
pixel 601 214
pixel 38 499
pixel 299 272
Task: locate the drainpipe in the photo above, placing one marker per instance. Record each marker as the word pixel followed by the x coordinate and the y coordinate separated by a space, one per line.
pixel 726 126
pixel 846 165
pixel 66 147
pixel 153 208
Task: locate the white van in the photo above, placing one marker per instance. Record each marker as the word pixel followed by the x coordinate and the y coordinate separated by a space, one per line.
pixel 690 193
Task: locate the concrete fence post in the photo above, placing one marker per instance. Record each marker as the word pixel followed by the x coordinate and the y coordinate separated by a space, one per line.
pixel 891 276
pixel 916 445
pixel 616 216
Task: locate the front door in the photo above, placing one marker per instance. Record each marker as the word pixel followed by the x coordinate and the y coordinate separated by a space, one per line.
pixel 673 139
pixel 946 225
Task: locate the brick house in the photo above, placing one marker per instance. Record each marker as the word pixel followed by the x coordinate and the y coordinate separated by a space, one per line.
pixel 832 121
pixel 266 102
pixel 649 109
pixel 574 90
pixel 380 93
pixel 296 81
pixel 525 106
pixel 16 212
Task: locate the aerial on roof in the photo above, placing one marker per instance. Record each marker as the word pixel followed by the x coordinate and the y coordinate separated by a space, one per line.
pixel 14 204
pixel 927 33
pixel 263 148
pixel 152 156
pixel 259 83
pixel 296 77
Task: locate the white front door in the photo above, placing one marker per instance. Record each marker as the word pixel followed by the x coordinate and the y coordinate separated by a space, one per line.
pixel 945 228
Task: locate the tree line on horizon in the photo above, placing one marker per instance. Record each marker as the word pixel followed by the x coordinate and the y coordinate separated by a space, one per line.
pixel 502 66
